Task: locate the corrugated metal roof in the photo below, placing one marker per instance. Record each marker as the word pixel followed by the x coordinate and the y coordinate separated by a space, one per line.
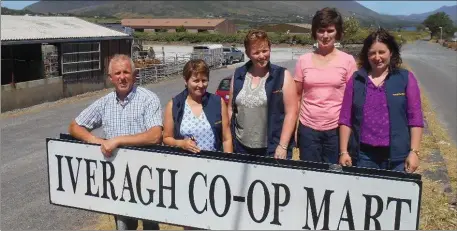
pixel 172 22
pixel 38 28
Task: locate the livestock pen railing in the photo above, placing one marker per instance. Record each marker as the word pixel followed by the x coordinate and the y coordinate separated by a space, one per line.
pixel 172 64
pixel 168 66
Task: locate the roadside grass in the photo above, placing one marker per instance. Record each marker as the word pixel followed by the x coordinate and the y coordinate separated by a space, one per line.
pixel 436 211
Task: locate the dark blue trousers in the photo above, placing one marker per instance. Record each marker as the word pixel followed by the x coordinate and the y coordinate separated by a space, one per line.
pixel 378 158
pixel 318 146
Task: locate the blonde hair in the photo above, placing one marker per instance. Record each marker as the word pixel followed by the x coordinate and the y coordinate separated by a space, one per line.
pixel 118 58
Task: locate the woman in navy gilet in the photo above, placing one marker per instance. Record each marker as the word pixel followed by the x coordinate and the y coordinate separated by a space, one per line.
pixel 382 108
pixel 263 104
pixel 196 119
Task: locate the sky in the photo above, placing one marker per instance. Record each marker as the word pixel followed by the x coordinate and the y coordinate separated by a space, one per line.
pixel 405 7
pixel 383 7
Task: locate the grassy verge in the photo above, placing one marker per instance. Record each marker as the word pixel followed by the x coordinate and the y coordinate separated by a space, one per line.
pixel 436 212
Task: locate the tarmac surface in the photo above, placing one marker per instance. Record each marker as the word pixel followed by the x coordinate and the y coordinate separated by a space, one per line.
pixel 435 67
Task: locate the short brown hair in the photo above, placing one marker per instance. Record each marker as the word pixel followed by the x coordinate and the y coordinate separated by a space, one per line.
pixel 195 66
pixel 327 17
pixel 255 35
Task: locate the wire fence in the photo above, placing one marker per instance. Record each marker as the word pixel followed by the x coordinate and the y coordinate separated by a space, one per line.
pixel 172 64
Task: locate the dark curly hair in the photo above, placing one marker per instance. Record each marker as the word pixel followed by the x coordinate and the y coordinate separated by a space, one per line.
pixel 383 36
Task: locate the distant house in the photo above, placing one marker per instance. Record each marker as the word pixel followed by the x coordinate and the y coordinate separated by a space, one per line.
pixel 191 25
pixel 291 28
pixel 48 58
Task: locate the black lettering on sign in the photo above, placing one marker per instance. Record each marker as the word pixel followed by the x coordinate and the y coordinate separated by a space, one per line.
pixel 74 182
pixel 398 209
pixel 349 218
pixel 277 203
pixel 172 188
pixel 138 186
pixel 311 201
pixel 228 195
pixel 107 180
pixel 250 199
pixel 89 174
pixel 59 172
pixel 368 215
pixel 128 179
pixel 191 192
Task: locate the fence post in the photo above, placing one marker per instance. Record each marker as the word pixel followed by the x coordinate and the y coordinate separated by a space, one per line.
pixel 163 55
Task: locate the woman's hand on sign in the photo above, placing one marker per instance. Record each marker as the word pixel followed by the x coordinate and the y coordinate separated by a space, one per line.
pixel 108 146
pixel 280 153
pixel 345 159
pixel 412 162
pixel 189 145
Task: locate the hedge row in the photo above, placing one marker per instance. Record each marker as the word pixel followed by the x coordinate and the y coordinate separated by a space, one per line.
pixel 276 38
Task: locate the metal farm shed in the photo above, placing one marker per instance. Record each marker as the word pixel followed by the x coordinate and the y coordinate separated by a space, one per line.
pixel 65 50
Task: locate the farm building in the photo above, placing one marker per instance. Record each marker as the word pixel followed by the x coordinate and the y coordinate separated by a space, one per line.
pixel 48 58
pixel 211 25
pixel 292 28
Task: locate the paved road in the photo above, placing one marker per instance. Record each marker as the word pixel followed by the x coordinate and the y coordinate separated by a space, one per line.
pixel 436 69
pixel 24 183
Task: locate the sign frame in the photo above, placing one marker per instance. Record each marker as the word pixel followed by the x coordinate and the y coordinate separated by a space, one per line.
pixel 257 160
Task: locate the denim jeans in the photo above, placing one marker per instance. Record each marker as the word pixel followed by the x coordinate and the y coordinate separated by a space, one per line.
pixel 318 146
pixel 378 158
pixel 127 223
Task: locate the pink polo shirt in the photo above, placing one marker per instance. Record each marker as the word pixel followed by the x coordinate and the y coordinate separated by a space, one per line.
pixel 323 89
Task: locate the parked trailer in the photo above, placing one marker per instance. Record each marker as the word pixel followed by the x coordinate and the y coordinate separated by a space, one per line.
pixel 212 54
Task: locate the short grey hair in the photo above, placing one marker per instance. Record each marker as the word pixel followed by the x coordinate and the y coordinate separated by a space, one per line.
pixel 121 57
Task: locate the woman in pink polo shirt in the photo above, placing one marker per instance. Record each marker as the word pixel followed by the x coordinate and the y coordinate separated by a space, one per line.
pixel 321 78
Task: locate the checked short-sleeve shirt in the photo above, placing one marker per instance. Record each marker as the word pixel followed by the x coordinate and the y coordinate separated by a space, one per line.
pixel 140 111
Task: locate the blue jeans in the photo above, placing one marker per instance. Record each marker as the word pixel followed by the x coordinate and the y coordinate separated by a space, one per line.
pixel 318 146
pixel 378 158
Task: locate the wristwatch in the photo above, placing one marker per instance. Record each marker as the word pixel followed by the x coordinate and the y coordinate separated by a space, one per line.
pixel 415 151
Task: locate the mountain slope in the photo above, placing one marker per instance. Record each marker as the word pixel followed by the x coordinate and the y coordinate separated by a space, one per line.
pixel 254 11
pixel 449 10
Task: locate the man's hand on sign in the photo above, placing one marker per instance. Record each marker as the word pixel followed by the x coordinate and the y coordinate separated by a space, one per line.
pixel 412 162
pixel 345 159
pixel 280 152
pixel 108 146
pixel 189 145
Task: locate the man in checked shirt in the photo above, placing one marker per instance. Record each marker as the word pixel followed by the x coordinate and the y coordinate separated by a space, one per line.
pixel 129 116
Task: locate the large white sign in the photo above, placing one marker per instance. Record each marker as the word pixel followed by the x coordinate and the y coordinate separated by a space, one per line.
pixel 211 193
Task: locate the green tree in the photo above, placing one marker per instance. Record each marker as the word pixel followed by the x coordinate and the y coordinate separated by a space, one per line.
pixel 350 26
pixel 420 27
pixel 435 21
